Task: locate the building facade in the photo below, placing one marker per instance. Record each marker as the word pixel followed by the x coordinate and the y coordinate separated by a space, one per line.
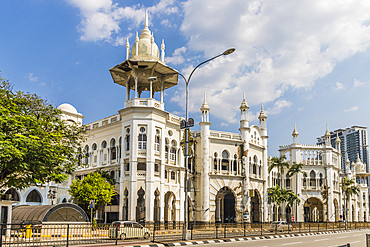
pixel 319 184
pixel 354 144
pixel 141 147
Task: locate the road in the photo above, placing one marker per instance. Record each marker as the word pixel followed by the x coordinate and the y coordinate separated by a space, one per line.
pixel 356 239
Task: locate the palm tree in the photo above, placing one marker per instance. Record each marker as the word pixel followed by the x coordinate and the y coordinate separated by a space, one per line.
pixel 280 164
pixel 279 196
pixel 350 189
pixel 295 169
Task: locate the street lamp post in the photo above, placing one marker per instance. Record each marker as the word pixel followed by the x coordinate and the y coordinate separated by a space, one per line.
pixel 186 126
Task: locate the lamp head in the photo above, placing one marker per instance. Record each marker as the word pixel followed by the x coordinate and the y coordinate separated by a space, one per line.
pixel 152 78
pixel 228 51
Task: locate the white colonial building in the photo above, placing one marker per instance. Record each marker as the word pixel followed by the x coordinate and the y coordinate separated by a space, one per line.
pixel 141 147
pixel 319 184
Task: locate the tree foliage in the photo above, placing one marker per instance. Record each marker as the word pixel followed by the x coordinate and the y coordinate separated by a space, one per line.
pixel 92 187
pixel 36 146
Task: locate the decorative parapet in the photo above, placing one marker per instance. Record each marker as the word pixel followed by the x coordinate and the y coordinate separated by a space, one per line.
pixel 144 102
pixel 225 135
pixel 174 119
pixel 103 122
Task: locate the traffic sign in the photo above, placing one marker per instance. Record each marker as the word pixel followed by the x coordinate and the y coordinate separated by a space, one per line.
pixel 190 122
pixel 182 124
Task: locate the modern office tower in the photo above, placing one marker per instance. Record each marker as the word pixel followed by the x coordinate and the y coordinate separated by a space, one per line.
pixel 354 144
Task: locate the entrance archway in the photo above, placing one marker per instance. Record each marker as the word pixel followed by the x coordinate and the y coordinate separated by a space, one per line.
pixel 225 206
pixel 313 210
pixel 336 210
pixel 288 213
pixel 255 207
pixel 169 207
pixel 140 206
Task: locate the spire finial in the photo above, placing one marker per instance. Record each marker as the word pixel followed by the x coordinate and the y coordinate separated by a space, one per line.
pixel 262 106
pixel 243 96
pixel 146 18
pixel 204 95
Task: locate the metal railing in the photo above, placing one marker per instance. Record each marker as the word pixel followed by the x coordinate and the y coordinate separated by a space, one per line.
pixel 86 233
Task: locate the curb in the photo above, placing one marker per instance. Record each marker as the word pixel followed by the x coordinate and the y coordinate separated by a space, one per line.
pixel 255 238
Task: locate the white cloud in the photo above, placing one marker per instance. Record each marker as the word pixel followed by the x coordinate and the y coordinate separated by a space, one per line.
pixel 351 109
pixel 358 83
pixel 280 45
pixel 177 56
pixel 42 84
pixel 339 86
pixel 224 124
pixel 31 77
pixel 101 19
pixel 278 107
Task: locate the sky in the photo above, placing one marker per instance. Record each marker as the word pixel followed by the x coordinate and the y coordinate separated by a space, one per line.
pixel 307 61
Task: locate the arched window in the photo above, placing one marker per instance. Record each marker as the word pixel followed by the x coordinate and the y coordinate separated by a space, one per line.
pixel 173 151
pixel 312 179
pixel 259 171
pixel 225 160
pixel 94 147
pixel 142 139
pixel 321 180
pixel 255 162
pixel 157 141
pixel 11 194
pixel 304 180
pixel 173 154
pixel 215 161
pixel 287 181
pixel 113 151
pixel 103 146
pixel 86 155
pixel 120 147
pixel 166 152
pixel 173 175
pixel 127 138
pixel 33 196
pixel 235 163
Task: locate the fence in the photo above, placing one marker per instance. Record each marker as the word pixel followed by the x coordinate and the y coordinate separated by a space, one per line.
pixel 71 234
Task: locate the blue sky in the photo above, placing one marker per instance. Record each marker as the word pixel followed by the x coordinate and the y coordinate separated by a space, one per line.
pixel 307 61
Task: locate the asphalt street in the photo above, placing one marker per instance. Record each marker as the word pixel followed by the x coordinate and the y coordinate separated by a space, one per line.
pixel 356 239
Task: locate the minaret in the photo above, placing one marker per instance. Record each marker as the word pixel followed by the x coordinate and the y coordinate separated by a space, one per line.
pixel 295 134
pixel 127 49
pixel 136 44
pixel 327 136
pixel 205 133
pixel 262 118
pixel 337 143
pixel 152 45
pixel 245 133
pixel 162 49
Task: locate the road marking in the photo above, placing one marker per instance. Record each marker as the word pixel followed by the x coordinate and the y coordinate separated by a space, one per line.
pixel 354 242
pixel 293 243
pixel 321 239
pixel 343 237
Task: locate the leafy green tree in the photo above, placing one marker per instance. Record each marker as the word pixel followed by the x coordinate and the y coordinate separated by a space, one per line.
pixel 92 187
pixel 295 169
pixel 280 164
pixel 279 196
pixel 350 190
pixel 36 146
pixel 106 174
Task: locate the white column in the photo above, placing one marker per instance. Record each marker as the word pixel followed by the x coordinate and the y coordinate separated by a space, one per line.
pixel 151 89
pixel 121 195
pixel 136 87
pixel 149 180
pixel 161 91
pixel 205 171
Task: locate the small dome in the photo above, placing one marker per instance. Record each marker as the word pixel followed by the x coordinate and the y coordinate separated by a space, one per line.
pixel 68 108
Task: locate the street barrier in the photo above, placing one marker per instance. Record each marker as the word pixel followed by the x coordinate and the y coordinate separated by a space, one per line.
pixel 86 233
